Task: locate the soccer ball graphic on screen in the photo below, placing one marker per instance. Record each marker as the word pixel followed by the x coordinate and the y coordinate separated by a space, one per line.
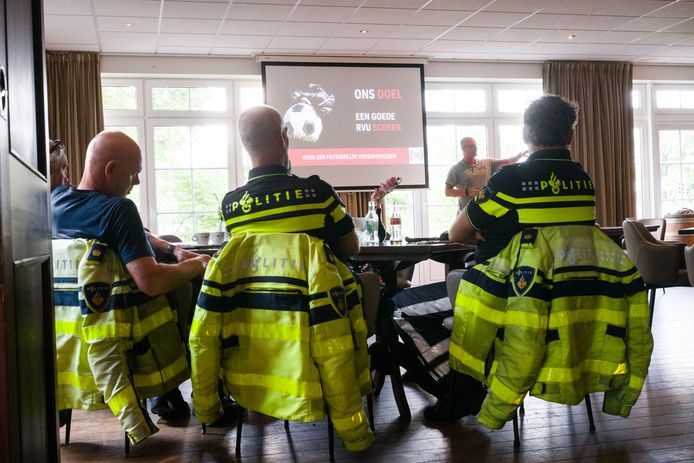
pixel 303 123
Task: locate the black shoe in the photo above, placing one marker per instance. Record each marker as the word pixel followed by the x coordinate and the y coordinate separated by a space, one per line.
pixel 177 403
pixel 170 406
pixel 231 414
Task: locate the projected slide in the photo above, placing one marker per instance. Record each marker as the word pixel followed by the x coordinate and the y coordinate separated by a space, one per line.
pixel 354 125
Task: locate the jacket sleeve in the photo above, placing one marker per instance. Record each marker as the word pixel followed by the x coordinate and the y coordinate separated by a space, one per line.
pixel 108 333
pixel 205 349
pixel 520 347
pixel 519 361
pixel 332 350
pixel 108 361
pixel 639 347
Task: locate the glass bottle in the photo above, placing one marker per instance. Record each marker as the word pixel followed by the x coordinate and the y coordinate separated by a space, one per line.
pixel 395 227
pixel 371 225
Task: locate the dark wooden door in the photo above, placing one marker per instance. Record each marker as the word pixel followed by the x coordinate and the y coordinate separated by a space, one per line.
pixel 27 388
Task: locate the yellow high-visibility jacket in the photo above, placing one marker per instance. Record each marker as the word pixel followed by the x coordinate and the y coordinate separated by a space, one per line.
pixel 134 349
pixel 273 321
pixel 76 386
pixel 560 312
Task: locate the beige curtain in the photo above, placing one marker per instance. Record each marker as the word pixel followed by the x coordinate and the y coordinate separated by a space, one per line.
pixel 75 110
pixel 603 142
pixel 356 202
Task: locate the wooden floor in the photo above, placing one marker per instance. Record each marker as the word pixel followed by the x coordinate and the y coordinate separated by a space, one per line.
pixel 660 428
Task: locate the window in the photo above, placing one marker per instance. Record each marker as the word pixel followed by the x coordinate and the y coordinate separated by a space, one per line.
pixel 674 97
pixel 191 157
pixel 676 150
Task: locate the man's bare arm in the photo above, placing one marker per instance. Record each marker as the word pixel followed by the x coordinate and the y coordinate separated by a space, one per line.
pixel 165 247
pixel 454 192
pixel 462 230
pixel 349 244
pixel 154 279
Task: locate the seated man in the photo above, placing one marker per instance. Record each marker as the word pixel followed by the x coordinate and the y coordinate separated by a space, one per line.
pixel 97 209
pixel 547 189
pixel 274 200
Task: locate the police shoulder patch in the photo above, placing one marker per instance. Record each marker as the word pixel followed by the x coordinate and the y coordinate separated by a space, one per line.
pixel 97 295
pixel 529 235
pixel 97 251
pixel 339 300
pixel 523 278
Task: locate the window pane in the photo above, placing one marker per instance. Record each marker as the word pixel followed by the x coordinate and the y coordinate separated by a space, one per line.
pixel 470 101
pixel 180 225
pixel 667 98
pixel 170 98
pixel 687 145
pixel 119 97
pixel 669 145
pixel 250 96
pixel 439 100
pixel 171 147
pixel 688 99
pixel 437 188
pixel 670 185
pixel 442 145
pixel 510 140
pixel 209 145
pixel 440 219
pixel 210 186
pixel 636 99
pixel 208 99
pixel 174 191
pixel 515 101
pixel 670 207
pixel 687 190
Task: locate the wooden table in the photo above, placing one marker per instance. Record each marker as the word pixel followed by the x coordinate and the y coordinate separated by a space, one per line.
pixel 386 259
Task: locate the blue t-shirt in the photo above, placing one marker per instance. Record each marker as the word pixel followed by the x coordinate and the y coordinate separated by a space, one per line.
pixel 111 219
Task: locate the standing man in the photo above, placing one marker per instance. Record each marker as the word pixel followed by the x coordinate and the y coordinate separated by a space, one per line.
pixel 465 179
pixel 274 200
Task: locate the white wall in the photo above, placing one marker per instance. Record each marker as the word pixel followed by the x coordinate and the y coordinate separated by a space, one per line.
pixel 170 66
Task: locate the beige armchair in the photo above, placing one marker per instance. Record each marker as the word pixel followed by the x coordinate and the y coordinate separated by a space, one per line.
pixel 661 263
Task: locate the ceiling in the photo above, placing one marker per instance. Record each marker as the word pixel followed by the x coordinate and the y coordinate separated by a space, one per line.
pixel 640 31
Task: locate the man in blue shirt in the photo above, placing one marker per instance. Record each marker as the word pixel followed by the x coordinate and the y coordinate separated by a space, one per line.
pixel 98 208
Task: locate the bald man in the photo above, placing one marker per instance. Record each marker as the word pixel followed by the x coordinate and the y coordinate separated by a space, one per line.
pixel 274 200
pixel 466 178
pixel 98 209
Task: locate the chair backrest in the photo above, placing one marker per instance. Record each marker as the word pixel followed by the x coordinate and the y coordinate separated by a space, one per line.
pixel 371 296
pixel 659 262
pixel 452 282
pixel 659 233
